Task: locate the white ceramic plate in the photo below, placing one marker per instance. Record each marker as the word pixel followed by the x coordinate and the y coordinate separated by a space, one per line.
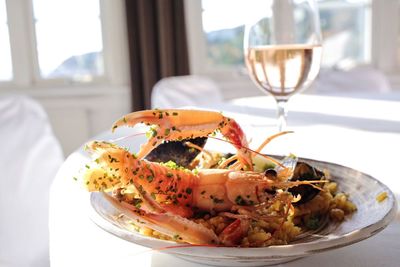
pixel 370 218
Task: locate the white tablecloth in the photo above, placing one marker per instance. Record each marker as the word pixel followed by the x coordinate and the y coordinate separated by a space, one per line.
pixel 362 134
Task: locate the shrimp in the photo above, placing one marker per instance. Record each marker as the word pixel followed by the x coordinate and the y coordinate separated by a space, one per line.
pixel 167 195
pixel 170 193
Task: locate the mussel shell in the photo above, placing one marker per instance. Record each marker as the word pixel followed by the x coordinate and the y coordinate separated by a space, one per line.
pixel 177 151
pixel 305 172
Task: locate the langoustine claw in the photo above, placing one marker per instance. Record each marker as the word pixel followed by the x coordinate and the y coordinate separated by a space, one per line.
pixel 176 124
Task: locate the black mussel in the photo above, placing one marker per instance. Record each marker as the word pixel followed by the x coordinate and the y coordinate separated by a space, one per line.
pixel 305 172
pixel 177 151
pixel 271 174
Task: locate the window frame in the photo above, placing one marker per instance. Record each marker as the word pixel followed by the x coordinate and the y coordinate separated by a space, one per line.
pixel 385 31
pixel 25 64
pixel 385 23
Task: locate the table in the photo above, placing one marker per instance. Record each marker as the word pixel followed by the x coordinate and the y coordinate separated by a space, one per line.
pixel 360 133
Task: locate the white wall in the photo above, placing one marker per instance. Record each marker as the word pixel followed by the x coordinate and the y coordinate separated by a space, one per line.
pixel 78 118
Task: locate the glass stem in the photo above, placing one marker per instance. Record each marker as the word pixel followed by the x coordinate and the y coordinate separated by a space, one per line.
pixel 282 114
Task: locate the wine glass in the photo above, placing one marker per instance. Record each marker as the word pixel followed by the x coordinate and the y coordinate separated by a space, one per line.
pixel 282 47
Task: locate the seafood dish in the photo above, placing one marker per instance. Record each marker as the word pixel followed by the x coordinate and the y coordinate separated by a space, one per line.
pixel 174 189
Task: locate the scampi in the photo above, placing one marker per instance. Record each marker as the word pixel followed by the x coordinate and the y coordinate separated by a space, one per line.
pixel 166 197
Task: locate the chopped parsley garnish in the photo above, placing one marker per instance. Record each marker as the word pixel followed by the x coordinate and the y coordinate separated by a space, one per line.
pixel 150 178
pixel 137 202
pixel 152 132
pixel 112 159
pixel 217 200
pixel 173 166
pixel 240 201
pixel 312 223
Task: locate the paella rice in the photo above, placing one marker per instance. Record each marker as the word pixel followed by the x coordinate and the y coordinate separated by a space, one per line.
pixel 329 204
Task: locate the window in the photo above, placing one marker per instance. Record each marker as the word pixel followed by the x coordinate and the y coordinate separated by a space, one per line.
pixel 345 29
pixel 5 52
pixel 355 32
pixel 224 37
pixel 62 43
pixel 345 26
pixel 68 39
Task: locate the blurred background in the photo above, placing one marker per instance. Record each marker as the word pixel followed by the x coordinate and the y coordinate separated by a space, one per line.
pixel 69 68
pixel 86 61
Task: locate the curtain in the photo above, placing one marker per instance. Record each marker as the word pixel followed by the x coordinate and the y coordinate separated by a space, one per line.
pixel 157 45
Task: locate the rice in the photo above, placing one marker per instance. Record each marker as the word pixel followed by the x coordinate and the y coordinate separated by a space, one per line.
pixel 328 203
pixel 381 197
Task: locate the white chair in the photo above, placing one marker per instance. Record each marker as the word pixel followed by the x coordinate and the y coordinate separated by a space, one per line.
pixel 29 158
pixel 361 79
pixel 190 90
